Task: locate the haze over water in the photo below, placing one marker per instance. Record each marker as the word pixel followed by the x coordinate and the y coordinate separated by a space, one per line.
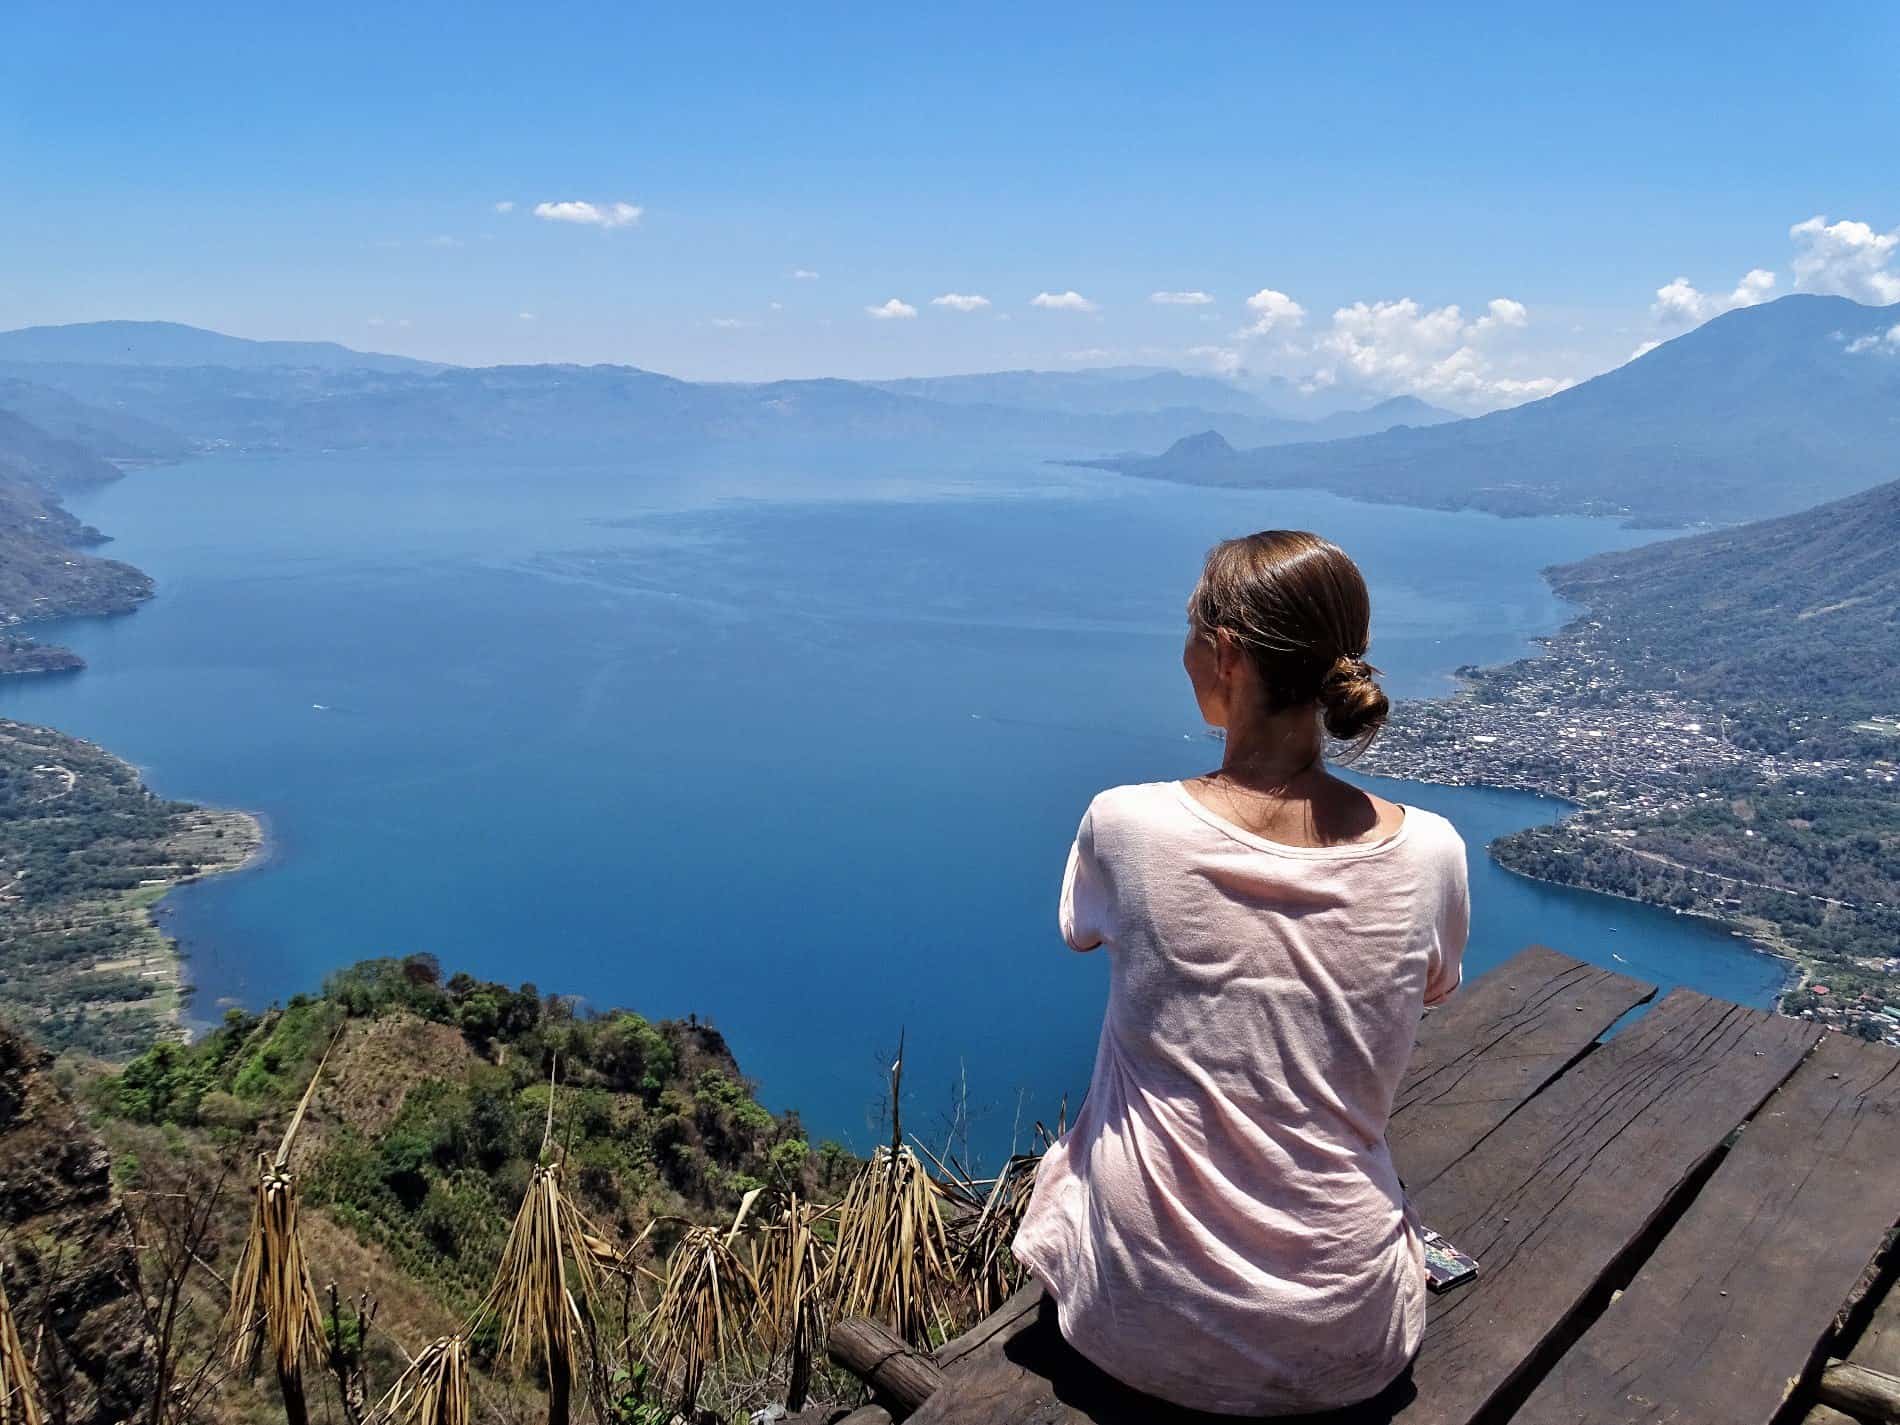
pixel 796 744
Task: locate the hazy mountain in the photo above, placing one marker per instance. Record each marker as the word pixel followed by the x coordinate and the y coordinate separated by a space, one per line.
pixel 1110 390
pixel 1761 411
pixel 30 454
pixel 118 435
pixel 174 344
pixel 1802 610
pixel 305 407
pixel 1388 414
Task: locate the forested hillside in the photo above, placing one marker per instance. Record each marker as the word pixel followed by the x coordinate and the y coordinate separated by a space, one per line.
pixel 1799 614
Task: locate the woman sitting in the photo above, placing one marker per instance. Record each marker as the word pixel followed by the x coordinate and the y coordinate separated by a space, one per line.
pixel 1222 1227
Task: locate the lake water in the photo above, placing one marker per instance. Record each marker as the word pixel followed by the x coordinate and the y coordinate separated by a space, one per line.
pixel 793 743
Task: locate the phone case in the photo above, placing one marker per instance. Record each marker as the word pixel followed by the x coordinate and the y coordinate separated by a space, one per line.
pixel 1445 1266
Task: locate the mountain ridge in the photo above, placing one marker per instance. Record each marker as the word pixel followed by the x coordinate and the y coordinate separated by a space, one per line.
pixel 1761 411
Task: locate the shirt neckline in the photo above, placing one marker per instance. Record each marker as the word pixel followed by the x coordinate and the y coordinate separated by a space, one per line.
pixel 1350 851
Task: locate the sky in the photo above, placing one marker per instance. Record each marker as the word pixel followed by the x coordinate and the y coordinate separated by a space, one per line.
pixel 1475 204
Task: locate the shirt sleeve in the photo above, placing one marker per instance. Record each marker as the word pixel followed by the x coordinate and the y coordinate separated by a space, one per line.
pixel 1082 913
pixel 1454 927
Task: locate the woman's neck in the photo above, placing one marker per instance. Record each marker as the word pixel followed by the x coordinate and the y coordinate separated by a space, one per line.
pixel 1272 751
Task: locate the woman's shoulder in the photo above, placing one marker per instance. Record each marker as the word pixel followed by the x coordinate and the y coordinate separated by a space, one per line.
pixel 1131 804
pixel 1430 832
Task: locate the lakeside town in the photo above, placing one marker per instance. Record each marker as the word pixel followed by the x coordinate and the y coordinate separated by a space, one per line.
pixel 1649 770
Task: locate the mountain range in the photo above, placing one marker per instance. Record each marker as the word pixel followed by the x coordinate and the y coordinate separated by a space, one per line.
pixel 1761 411
pixel 145 388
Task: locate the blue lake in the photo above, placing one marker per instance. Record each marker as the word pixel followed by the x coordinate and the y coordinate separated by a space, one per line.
pixel 793 743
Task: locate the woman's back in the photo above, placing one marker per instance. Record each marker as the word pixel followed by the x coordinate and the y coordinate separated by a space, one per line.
pixel 1222 1227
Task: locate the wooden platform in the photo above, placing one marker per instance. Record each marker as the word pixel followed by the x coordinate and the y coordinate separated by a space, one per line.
pixel 1671 1223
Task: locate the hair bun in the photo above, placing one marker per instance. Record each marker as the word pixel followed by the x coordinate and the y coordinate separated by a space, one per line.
pixel 1354 705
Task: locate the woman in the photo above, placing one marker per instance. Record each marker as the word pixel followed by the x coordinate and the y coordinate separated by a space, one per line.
pixel 1222 1227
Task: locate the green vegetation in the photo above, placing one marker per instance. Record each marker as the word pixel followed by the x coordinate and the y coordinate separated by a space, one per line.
pixel 430 1125
pixel 85 850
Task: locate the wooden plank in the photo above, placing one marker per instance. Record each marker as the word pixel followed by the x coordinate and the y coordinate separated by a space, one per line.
pixel 1025 1301
pixel 900 1379
pixel 1740 1295
pixel 1492 1046
pixel 1879 1344
pixel 1864 1394
pixel 1566 1185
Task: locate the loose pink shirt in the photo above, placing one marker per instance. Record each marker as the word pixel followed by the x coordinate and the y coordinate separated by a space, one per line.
pixel 1222 1226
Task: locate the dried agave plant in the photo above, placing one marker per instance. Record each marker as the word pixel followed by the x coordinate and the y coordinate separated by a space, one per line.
pixel 538 1310
pixel 789 1264
pixel 433 1391
pixel 983 1237
pixel 273 1301
pixel 709 1296
pixel 19 1389
pixel 893 1261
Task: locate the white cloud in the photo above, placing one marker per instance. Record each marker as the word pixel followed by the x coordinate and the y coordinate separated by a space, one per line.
pixel 1644 349
pixel 375 322
pixel 804 274
pixel 1273 311
pixel 443 240
pixel 731 323
pixel 1088 353
pixel 1180 299
pixel 1070 301
pixel 1679 303
pixel 597 215
pixel 505 206
pixel 1430 352
pixel 1502 312
pixel 525 316
pixel 1881 345
pixel 960 302
pixel 893 310
pixel 1224 359
pixel 1847 259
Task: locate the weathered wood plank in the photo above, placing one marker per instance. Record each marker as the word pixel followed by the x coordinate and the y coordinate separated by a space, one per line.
pixel 1739 1296
pixel 1560 1190
pixel 900 1378
pixel 1024 1302
pixel 1879 1344
pixel 1492 1046
pixel 1864 1394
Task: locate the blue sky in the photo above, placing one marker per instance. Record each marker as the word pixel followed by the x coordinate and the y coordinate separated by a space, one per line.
pixel 333 172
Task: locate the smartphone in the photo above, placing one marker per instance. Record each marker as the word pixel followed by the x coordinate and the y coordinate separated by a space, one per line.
pixel 1445 1266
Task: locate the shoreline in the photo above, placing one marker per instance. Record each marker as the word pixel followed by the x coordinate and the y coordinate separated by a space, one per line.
pixel 255 852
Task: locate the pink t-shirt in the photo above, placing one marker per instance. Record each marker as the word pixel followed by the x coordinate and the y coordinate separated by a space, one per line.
pixel 1222 1226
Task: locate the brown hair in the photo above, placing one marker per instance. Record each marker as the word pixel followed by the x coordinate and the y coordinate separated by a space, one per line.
pixel 1300 608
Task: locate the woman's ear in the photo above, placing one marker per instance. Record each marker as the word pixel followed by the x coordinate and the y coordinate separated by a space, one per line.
pixel 1227 656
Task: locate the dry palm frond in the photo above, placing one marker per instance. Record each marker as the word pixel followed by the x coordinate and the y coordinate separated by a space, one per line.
pixel 893 1261
pixel 703 1309
pixel 984 1259
pixel 273 1300
pixel 539 1312
pixel 19 1389
pixel 433 1391
pixel 789 1265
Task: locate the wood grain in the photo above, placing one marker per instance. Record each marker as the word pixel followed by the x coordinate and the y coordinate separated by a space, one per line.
pixel 1555 1195
pixel 1492 1046
pixel 1739 1297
